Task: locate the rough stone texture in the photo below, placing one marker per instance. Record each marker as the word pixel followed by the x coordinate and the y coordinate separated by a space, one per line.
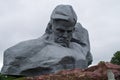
pixel 81 37
pixel 97 72
pixel 42 56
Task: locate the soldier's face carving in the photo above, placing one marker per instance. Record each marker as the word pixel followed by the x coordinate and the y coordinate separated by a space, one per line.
pixel 62 32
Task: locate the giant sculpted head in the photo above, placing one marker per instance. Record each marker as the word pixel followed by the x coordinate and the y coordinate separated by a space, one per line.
pixel 63 20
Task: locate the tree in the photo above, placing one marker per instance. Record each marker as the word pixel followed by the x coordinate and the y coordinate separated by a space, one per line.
pixel 116 58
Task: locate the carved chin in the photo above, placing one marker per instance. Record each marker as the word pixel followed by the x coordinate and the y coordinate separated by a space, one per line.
pixel 64 44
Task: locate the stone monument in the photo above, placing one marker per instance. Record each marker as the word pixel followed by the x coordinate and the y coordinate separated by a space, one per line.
pixel 65 45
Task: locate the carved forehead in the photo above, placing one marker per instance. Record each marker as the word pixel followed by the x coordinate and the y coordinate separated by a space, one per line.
pixel 63 24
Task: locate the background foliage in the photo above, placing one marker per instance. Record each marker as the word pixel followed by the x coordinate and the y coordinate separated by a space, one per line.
pixel 116 58
pixel 4 77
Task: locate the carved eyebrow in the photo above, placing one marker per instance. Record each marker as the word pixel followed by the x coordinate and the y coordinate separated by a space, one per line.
pixel 60 30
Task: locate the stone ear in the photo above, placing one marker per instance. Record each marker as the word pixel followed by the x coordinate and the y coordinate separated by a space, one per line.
pixel 73 29
pixel 49 28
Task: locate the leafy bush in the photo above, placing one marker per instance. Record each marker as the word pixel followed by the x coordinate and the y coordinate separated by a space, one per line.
pixel 116 58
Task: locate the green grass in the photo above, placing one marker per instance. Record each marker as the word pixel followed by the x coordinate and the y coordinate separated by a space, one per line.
pixel 4 77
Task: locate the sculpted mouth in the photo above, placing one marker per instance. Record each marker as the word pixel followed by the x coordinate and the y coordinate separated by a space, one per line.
pixel 62 41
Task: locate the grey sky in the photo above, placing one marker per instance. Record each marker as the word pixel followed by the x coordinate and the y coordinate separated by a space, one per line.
pixel 27 19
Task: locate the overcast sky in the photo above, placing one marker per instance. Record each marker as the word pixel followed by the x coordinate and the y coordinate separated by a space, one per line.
pixel 22 20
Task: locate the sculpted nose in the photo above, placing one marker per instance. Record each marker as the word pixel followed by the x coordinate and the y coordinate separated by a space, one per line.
pixel 65 34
